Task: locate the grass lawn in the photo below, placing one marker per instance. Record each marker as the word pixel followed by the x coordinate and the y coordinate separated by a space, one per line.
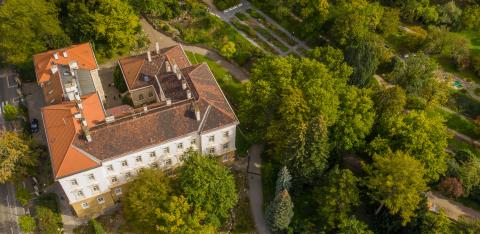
pixel 460 124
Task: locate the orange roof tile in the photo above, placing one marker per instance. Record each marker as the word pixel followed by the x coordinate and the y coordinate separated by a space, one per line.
pixel 81 53
pixel 61 129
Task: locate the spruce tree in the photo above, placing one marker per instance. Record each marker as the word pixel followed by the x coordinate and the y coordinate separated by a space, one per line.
pixel 283 180
pixel 280 212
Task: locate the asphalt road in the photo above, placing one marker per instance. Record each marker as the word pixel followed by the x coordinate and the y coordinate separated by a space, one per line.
pixel 10 209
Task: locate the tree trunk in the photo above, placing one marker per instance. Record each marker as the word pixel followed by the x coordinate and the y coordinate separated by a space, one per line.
pixel 379 209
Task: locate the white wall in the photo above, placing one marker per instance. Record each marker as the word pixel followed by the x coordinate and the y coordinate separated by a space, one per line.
pixel 103 176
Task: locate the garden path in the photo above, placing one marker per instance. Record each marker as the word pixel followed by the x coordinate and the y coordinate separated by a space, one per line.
pixel 453 209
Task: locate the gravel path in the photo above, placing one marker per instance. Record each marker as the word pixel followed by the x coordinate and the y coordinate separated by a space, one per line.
pixel 453 210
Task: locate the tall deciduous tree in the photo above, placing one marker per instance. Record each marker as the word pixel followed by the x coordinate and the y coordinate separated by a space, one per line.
pixel 353 226
pixel 396 182
pixel 208 186
pixel 28 27
pixel 355 119
pixel 333 59
pixel 112 25
pixel 362 56
pixel 389 103
pixel 17 155
pixel 337 197
pixel 436 223
pixel 165 9
pixel 280 212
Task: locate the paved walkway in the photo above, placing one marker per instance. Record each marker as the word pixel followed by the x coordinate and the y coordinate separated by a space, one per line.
pixel 453 210
pixel 165 41
pixel 255 191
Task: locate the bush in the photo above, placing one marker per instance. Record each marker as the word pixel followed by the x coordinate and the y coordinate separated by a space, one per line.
pixel 48 215
pixel 97 227
pixel 118 80
pixel 27 223
pixel 10 112
pixel 22 195
pixel 451 187
pixel 225 4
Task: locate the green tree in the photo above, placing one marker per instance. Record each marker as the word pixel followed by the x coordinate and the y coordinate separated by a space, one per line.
pixel 470 175
pixel 355 119
pixel 396 181
pixel 311 158
pixel 165 9
pixel 389 103
pixel 390 22
pixel 280 212
pixel 362 56
pixel 28 27
pixel 447 44
pixel 228 50
pixel 208 186
pixel 17 155
pixel 333 59
pixel 471 17
pixel 314 14
pixel 449 14
pixel 112 25
pixel 119 81
pixel 96 227
pixel 337 197
pixel 10 112
pixel 353 226
pixel 283 180
pixel 434 223
pixel 48 220
pixel 27 223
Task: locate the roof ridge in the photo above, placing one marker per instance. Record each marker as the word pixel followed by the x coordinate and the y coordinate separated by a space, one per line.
pixel 205 116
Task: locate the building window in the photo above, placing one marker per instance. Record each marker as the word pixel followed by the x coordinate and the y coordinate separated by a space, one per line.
pixel 211 138
pixel 128 174
pixel 193 141
pixel 168 162
pixel 140 97
pixel 150 94
pixel 114 179
pixel 226 146
pixel 100 200
pixel 110 168
pixel 95 188
pixel 138 159
pixel 91 177
pixel 154 165
pixel 153 154
pixel 85 205
pixel 226 134
pixel 118 191
pixel 124 163
pixel 80 193
pixel 225 158
pixel 211 150
pixel 180 146
pixel 74 182
pixel 166 150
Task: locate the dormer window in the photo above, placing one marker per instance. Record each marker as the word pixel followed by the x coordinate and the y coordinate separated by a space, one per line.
pixel 226 134
pixel 91 177
pixel 211 138
pixel 140 97
pixel 138 159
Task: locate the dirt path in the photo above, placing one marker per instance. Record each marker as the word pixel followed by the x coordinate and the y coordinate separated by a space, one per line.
pixel 166 41
pixel 453 210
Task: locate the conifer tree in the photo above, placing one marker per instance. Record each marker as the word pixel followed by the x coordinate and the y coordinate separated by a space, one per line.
pixel 283 180
pixel 280 212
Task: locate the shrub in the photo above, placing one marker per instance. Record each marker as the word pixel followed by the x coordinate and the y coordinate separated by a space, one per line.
pixel 97 227
pixel 10 112
pixel 27 223
pixel 225 4
pixel 48 215
pixel 118 80
pixel 451 187
pixel 22 195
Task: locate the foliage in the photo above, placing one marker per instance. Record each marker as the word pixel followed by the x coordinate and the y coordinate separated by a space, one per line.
pixel 390 21
pixel 353 226
pixel 280 212
pixel 224 4
pixel 27 223
pixel 451 187
pixel 96 227
pixel 118 80
pixel 337 197
pixel 228 49
pixel 48 215
pixel 164 9
pixel 28 27
pixel 389 103
pixel 471 17
pixel 449 14
pixel 451 45
pixel 469 175
pixel 395 180
pixel 152 206
pixel 355 119
pixel 362 56
pixel 467 226
pixel 283 180
pixel 208 186
pixel 17 155
pixel 333 59
pixel 436 223
pixel 112 25
pixel 22 195
pixel 10 112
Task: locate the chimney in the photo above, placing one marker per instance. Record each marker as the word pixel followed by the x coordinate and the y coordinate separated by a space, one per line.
pixel 149 56
pixel 197 111
pixel 54 68
pixel 145 109
pixel 169 101
pixel 110 119
pixel 55 55
pixel 168 68
pixel 189 94
pixel 87 135
pixel 157 47
pixel 65 55
pixel 184 84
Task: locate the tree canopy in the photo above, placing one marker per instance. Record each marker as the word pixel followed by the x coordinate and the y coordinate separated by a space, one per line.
pixel 165 9
pixel 17 155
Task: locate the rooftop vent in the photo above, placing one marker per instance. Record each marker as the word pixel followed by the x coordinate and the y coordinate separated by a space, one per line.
pixel 54 69
pixel 168 101
pixel 110 119
pixel 189 94
pixel 55 55
pixel 65 54
pixel 184 84
pixel 78 115
pixel 145 108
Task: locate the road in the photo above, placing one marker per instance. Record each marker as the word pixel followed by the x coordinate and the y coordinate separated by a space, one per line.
pixel 10 209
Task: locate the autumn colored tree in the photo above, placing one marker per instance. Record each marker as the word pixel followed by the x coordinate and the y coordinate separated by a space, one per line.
pixel 451 187
pixel 396 181
pixel 17 155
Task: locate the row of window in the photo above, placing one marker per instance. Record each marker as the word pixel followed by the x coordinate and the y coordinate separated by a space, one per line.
pixel 101 200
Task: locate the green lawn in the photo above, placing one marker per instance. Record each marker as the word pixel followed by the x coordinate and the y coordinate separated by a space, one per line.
pixel 474 40
pixel 460 124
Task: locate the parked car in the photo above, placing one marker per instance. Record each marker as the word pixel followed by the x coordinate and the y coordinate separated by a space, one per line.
pixel 34 126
